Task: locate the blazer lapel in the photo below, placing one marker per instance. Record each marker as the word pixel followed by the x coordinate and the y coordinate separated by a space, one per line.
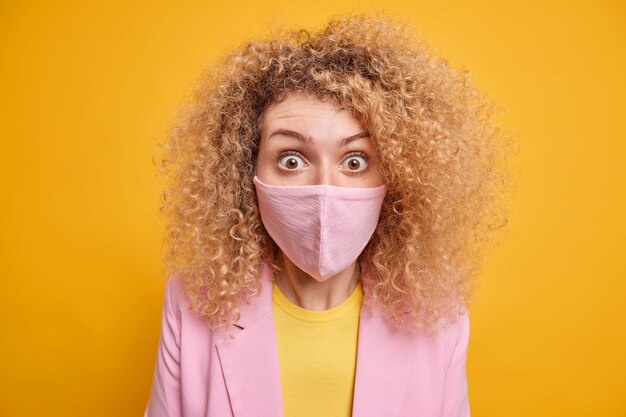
pixel 384 357
pixel 250 360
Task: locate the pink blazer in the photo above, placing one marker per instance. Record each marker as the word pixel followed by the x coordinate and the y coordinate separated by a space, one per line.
pixel 202 373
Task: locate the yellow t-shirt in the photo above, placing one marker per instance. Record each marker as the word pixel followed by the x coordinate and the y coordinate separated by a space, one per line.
pixel 317 355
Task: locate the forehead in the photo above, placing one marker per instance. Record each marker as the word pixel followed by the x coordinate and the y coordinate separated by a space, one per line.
pixel 305 111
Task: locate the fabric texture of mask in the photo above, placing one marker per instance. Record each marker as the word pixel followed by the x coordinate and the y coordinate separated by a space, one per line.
pixel 321 228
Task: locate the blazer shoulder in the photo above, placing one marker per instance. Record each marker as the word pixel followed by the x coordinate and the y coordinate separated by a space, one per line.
pixel 188 322
pixel 174 298
pixel 459 325
pixel 456 336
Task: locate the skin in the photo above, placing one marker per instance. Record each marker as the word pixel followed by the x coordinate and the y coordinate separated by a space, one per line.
pixel 323 160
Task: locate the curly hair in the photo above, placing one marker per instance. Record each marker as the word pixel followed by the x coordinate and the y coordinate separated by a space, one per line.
pixel 443 160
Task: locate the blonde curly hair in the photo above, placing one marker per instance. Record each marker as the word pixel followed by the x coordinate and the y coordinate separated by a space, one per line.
pixel 443 160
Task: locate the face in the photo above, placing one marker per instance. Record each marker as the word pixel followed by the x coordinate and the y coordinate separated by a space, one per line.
pixel 306 141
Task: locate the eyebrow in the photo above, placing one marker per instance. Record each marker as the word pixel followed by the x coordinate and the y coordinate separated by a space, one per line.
pixel 299 136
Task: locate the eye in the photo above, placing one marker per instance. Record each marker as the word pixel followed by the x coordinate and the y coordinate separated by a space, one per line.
pixel 290 161
pixel 356 162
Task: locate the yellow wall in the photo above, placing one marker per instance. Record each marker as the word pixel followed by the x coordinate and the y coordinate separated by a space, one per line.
pixel 86 90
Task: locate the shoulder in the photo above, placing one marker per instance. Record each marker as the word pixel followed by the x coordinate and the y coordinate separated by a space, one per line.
pixel 456 327
pixel 174 295
pixel 445 344
pixel 182 319
pixel 441 355
pixel 455 338
pixel 174 302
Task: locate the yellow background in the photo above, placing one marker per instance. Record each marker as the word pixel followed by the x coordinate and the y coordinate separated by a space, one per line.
pixel 87 89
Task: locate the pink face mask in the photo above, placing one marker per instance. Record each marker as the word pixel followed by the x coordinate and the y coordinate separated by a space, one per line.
pixel 321 228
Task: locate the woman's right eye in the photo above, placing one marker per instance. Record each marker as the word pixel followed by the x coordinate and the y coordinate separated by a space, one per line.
pixel 290 161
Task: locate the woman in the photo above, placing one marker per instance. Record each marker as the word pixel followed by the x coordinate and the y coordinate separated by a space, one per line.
pixel 328 193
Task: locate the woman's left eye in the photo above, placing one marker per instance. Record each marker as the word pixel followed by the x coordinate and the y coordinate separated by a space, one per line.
pixel 355 163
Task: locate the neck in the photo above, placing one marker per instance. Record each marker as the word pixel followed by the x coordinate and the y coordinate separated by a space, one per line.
pixel 307 292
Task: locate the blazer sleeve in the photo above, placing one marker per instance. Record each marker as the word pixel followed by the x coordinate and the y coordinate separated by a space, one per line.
pixel 165 394
pixel 456 402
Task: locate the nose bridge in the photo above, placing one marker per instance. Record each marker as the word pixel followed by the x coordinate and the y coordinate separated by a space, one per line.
pixel 326 173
